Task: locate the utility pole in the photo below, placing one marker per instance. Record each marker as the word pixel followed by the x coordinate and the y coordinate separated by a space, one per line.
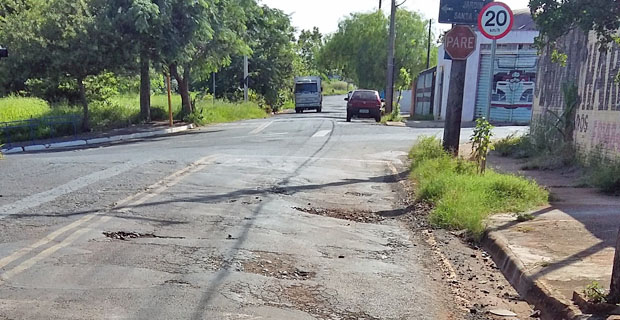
pixel 245 78
pixel 614 293
pixel 380 5
pixel 452 131
pixel 428 51
pixel 389 88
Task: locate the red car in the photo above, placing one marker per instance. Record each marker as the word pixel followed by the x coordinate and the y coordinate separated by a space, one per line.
pixel 364 104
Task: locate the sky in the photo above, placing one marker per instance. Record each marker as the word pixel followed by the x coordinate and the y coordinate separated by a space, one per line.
pixel 325 14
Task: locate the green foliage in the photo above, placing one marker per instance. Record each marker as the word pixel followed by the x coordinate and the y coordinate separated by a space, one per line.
pixel 517 146
pixel 559 58
pixel 358 49
pixel 481 143
pixel 332 88
pixel 269 34
pixel 101 87
pixel 15 108
pixel 221 112
pixel 595 293
pixel 309 45
pixel 123 110
pixel 603 173
pixel 556 18
pixel 462 198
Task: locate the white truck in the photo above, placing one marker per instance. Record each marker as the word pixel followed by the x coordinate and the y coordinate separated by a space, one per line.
pixel 308 94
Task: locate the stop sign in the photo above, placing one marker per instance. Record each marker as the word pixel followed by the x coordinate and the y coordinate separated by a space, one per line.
pixel 460 42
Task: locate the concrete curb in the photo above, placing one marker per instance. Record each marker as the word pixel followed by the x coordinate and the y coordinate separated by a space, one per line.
pixel 533 291
pixel 96 141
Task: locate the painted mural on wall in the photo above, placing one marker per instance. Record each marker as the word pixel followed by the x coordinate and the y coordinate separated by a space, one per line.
pixel 597 123
pixel 513 86
pixel 513 89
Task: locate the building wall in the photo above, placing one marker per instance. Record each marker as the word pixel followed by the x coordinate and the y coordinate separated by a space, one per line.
pixel 472 71
pixel 597 123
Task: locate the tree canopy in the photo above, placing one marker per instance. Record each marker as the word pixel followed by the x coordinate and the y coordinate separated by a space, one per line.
pixel 555 18
pixel 359 48
pixel 74 50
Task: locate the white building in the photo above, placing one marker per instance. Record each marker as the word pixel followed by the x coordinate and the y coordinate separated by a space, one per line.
pixel 514 79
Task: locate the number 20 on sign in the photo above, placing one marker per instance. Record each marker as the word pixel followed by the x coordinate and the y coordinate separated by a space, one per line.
pixel 495 20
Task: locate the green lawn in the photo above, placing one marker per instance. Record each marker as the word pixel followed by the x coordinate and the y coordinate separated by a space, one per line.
pixel 463 199
pixel 122 111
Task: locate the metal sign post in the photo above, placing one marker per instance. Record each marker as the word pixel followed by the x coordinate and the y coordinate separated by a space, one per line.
pixel 491 78
pixel 494 22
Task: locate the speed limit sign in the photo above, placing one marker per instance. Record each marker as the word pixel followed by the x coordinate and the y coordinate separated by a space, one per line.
pixel 495 20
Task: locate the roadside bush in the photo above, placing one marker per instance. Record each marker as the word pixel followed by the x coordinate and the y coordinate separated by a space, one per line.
pixel 517 146
pixel 335 88
pixel 463 199
pixel 603 174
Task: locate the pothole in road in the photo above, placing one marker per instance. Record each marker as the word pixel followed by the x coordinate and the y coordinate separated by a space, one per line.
pixel 353 215
pixel 276 266
pixel 126 236
pixel 315 300
pixel 358 194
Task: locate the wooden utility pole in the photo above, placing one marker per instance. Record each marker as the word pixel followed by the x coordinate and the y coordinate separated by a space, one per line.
pixel 452 131
pixel 614 293
pixel 389 88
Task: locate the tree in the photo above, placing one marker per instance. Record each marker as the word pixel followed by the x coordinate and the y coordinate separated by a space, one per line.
pixel 270 37
pixel 59 39
pixel 358 51
pixel 556 18
pixel 309 45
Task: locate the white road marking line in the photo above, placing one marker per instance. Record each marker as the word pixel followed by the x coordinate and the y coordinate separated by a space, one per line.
pixel 321 133
pixel 132 200
pixel 36 200
pixel 261 128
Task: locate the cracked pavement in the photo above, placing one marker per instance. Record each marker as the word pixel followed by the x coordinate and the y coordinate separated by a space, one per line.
pixel 207 225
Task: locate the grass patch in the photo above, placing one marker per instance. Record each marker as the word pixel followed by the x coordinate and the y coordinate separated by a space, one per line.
pixel 222 112
pixel 118 112
pixel 463 199
pixel 18 108
pixel 334 88
pixel 604 175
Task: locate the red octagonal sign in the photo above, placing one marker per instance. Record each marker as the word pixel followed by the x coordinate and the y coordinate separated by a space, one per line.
pixel 460 42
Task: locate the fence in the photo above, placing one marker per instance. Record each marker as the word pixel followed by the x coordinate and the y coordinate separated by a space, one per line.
pixel 39 128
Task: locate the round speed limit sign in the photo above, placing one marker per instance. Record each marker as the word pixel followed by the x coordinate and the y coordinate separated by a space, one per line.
pixel 495 20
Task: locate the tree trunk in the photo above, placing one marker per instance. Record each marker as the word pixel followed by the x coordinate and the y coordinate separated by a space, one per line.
pixel 145 86
pixel 614 294
pixel 84 102
pixel 183 87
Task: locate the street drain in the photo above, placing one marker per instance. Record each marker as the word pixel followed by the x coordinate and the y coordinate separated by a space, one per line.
pixel 125 236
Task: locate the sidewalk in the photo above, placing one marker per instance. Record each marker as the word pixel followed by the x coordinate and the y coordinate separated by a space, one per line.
pixel 568 245
pixel 88 139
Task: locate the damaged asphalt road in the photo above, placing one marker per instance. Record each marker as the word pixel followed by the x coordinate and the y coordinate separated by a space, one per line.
pixel 261 219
